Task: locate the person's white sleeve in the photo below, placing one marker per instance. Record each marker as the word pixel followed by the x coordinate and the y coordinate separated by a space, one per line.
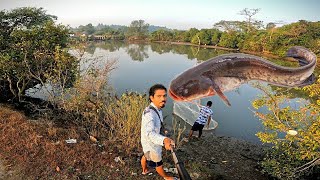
pixel 152 135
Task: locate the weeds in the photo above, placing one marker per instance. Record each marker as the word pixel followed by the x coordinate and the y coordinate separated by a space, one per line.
pixel 124 116
pixel 32 147
pixel 91 110
pixel 178 131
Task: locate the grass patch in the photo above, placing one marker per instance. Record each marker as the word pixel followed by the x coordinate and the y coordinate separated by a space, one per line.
pixel 39 150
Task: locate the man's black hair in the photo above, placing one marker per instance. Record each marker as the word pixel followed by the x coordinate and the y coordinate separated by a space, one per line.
pixel 155 87
pixel 209 103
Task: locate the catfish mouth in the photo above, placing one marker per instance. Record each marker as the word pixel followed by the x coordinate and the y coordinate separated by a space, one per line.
pixel 174 96
pixel 178 98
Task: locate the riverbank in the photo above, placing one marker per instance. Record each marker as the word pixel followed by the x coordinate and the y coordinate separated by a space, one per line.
pixel 219 157
pixel 202 46
pixel 39 150
pixel 265 54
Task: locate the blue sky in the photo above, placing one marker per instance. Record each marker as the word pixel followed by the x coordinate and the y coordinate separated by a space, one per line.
pixel 176 14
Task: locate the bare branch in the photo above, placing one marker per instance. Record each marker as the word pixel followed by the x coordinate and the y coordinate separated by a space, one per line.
pixel 308 165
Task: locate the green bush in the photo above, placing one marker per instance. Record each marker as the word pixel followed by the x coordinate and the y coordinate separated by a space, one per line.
pixel 294 133
pixel 32 50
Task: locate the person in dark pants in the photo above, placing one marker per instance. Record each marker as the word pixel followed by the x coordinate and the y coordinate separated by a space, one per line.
pixel 203 118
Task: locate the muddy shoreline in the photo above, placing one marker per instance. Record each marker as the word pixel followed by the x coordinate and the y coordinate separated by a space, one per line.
pixel 222 157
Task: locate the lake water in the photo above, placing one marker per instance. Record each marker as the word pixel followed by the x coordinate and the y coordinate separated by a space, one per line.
pixel 139 66
pixel 142 65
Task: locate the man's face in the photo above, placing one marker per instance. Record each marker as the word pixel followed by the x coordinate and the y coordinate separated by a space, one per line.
pixel 159 99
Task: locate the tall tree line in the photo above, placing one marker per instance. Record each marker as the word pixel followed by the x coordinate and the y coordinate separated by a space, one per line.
pixel 248 35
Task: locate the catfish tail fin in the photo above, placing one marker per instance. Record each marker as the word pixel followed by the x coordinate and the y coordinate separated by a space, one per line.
pixel 310 80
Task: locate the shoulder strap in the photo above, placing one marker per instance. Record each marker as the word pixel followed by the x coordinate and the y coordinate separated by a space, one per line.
pixel 162 129
pixel 154 109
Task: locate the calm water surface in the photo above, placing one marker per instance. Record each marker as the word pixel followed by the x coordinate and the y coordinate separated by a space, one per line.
pixel 139 66
pixel 142 65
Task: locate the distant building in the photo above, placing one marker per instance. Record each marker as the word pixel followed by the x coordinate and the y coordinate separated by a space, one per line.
pixel 99 37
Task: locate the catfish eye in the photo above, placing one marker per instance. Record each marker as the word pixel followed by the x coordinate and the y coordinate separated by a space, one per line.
pixel 185 91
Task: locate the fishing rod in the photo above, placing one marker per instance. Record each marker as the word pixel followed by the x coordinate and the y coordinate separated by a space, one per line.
pixel 183 173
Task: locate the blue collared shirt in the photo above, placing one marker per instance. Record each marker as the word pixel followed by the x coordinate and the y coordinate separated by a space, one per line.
pixel 151 139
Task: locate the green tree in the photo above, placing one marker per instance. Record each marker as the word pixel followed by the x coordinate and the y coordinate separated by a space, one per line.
pixel 87 29
pixel 161 35
pixel 32 51
pixel 294 132
pixel 270 28
pixel 21 18
pixel 188 35
pixel 178 35
pixel 215 36
pixel 302 33
pixel 254 41
pixel 201 38
pixel 137 30
pixel 229 40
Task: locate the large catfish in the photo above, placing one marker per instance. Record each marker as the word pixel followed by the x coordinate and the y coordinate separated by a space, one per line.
pixel 227 72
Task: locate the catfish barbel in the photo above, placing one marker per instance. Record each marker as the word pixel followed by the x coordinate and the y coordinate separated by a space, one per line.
pixel 227 72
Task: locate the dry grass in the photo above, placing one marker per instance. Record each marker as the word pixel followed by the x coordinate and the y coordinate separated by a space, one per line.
pixel 178 130
pixel 40 151
pixel 89 109
pixel 124 116
pixel 100 112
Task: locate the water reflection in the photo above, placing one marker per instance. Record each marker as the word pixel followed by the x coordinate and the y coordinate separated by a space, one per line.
pixel 191 52
pixel 160 48
pixel 111 46
pixel 137 52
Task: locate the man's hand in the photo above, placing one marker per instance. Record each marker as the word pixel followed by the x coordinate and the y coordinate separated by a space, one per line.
pixel 168 143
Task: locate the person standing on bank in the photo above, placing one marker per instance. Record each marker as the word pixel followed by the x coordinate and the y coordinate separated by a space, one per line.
pixel 204 117
pixel 151 139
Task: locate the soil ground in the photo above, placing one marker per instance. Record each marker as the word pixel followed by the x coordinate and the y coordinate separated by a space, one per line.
pixel 213 157
pixel 48 156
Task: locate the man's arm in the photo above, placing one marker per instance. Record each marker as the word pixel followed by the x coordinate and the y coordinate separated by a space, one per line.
pixel 209 119
pixel 198 104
